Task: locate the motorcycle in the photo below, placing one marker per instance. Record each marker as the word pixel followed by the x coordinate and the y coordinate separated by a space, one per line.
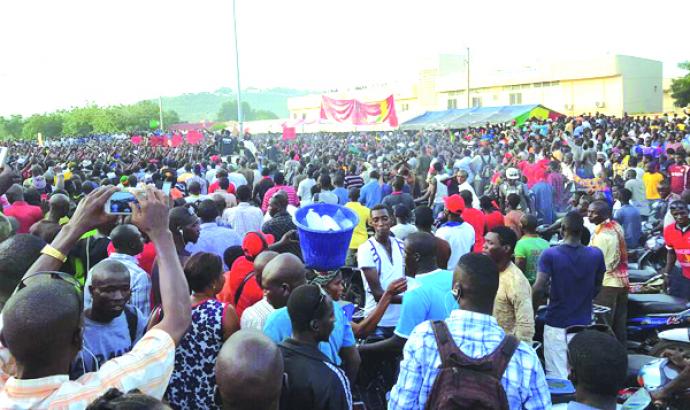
pixel 650 314
pixel 675 339
pixel 653 377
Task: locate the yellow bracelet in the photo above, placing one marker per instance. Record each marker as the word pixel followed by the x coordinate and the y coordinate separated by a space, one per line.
pixel 51 251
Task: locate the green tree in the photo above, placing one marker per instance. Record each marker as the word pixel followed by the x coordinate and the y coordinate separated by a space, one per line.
pixel 11 127
pixel 49 125
pixel 264 115
pixel 228 112
pixel 680 87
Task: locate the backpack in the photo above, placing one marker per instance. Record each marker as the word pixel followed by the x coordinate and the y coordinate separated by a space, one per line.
pixel 132 319
pixel 467 383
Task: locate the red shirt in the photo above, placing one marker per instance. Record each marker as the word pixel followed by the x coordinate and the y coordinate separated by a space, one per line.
pixel 679 177
pixel 215 186
pixel 679 242
pixel 26 214
pixel 476 218
pixel 494 219
pixel 251 293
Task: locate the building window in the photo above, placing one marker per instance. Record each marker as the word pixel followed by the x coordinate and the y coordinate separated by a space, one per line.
pixel 655 88
pixel 515 98
pixel 452 104
pixel 405 107
pixel 476 102
pixel 537 85
pixel 523 86
pixel 555 83
pixel 304 116
pixel 515 87
pixel 495 97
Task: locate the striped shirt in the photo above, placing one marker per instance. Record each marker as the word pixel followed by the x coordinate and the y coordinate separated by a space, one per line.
pixel 353 181
pixel 477 335
pixel 254 317
pixel 147 367
pixel 290 191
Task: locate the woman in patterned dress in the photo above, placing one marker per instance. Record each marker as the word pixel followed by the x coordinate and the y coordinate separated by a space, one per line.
pixel 193 383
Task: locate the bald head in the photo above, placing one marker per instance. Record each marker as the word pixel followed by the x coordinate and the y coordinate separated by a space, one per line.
pixel 108 270
pixel 127 239
pixel 261 261
pixel 285 268
pixel 15 193
pixel 249 372
pixel 420 249
pixel 59 205
pixel 42 323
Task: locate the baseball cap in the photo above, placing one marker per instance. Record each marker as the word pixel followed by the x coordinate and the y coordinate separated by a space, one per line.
pixel 512 173
pixel 454 203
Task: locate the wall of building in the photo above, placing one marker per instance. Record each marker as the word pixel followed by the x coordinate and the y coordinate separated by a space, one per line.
pixel 642 84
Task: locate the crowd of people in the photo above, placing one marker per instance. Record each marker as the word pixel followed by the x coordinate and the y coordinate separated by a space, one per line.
pixel 201 299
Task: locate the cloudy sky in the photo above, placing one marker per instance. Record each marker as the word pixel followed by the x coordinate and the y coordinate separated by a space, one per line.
pixel 58 54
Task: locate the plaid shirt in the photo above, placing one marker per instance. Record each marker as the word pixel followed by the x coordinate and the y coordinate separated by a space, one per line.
pixel 477 335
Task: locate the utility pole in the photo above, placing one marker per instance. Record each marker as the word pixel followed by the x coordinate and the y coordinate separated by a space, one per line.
pixel 160 111
pixel 237 70
pixel 468 77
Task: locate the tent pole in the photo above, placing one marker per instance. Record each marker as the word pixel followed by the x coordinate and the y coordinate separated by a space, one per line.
pixel 468 77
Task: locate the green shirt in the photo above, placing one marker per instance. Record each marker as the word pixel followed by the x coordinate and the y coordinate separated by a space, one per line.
pixel 530 248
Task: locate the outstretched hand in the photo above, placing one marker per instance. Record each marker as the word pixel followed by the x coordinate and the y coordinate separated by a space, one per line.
pixel 397 287
pixel 151 213
pixel 90 213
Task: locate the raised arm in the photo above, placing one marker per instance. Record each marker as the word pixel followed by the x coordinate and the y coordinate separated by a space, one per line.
pixel 151 216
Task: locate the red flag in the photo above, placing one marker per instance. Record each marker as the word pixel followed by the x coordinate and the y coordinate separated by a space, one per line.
pixel 136 139
pixel 194 137
pixel 176 140
pixel 289 133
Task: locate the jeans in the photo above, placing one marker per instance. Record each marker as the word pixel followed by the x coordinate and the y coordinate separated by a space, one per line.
pixel 617 300
pixel 678 285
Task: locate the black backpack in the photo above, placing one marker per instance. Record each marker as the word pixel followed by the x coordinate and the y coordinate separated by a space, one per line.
pixel 132 322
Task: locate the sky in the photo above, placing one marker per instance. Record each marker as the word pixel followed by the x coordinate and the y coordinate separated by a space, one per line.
pixel 59 54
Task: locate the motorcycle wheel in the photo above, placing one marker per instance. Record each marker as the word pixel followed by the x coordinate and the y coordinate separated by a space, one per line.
pixel 660 347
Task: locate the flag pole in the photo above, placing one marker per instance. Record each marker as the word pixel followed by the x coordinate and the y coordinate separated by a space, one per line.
pixel 237 70
pixel 160 111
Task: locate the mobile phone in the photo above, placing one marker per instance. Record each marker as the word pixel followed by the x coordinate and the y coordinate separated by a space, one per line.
pixel 120 203
pixel 3 155
pixel 166 187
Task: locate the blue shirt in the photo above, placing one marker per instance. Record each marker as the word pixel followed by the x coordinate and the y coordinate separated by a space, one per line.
pixel 371 194
pixel 278 328
pixel 576 273
pixel 214 239
pixel 341 193
pixel 477 335
pixel 543 201
pixel 629 218
pixel 428 298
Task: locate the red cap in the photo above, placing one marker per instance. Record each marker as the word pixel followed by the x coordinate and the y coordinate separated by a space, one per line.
pixel 256 242
pixel 454 204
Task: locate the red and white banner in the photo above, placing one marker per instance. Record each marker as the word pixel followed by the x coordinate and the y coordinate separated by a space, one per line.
pixel 359 113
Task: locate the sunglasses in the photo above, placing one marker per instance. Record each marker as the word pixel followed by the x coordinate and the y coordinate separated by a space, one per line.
pixel 65 277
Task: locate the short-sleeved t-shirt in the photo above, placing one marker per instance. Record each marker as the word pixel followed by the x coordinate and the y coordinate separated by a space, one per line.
pixel 371 254
pixel 460 237
pixel 651 183
pixel 679 241
pixel 278 328
pixel 679 177
pixel 530 248
pixel 575 272
pixel 104 341
pixel 428 297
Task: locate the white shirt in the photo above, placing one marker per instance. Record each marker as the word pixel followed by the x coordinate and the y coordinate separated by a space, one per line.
pixel 372 254
pixel 304 188
pixel 441 189
pixel 244 218
pixel 254 317
pixel 237 179
pixel 459 237
pixel 465 186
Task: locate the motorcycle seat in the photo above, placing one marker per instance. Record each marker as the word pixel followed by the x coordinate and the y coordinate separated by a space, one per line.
pixel 638 276
pixel 641 304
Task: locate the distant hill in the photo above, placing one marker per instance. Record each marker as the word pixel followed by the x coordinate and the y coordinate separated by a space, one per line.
pixel 194 107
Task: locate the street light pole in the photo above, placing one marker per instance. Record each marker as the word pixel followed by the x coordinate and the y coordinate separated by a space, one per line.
pixel 237 70
pixel 468 77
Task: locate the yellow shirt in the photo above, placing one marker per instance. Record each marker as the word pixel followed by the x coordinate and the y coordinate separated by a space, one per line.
pixel 359 235
pixel 513 305
pixel 607 240
pixel 651 184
